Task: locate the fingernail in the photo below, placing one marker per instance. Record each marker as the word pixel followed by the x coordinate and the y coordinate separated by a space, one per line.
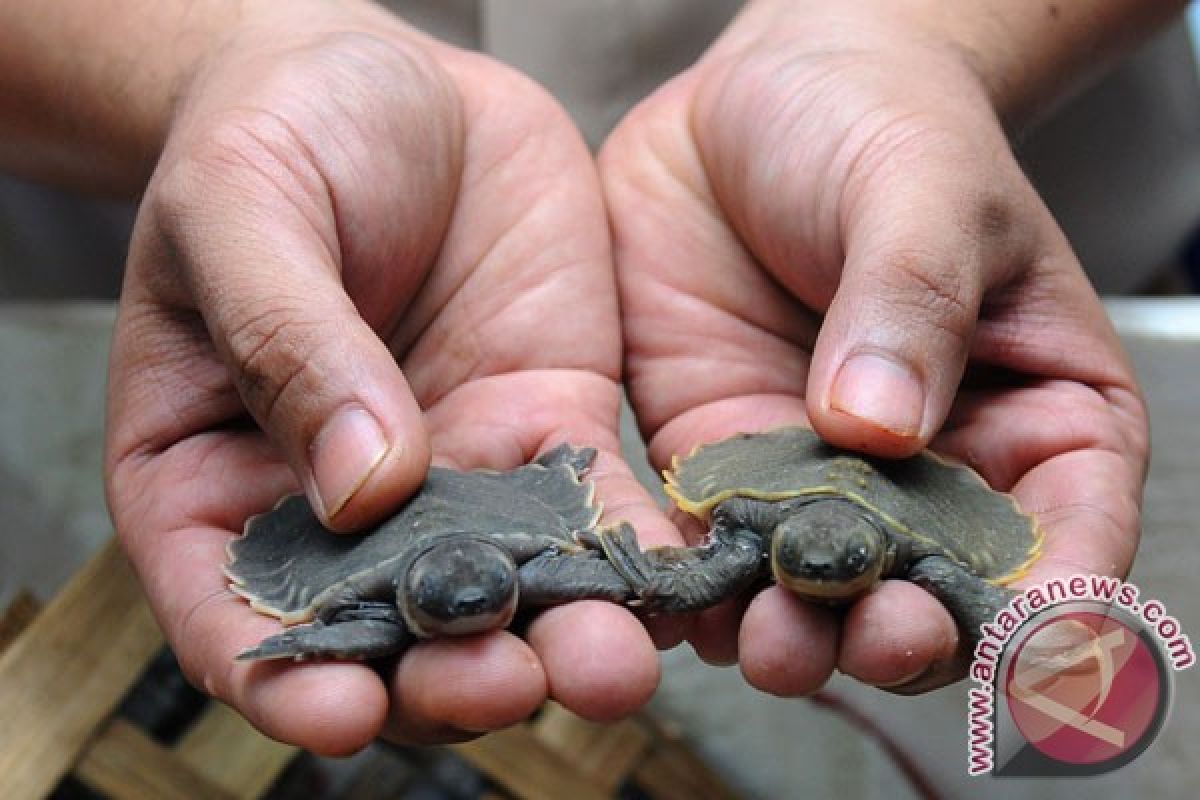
pixel 881 391
pixel 343 455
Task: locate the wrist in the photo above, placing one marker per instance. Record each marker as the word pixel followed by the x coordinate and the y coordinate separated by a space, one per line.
pixel 88 90
pixel 1031 54
pixel 1026 54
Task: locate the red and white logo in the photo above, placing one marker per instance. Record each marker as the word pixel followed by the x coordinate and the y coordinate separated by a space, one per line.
pixel 1085 689
pixel 1073 678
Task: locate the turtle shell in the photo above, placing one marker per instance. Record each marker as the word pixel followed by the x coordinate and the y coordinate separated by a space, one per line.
pixel 943 507
pixel 287 564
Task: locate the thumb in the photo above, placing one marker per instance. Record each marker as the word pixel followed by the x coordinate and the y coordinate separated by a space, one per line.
pixel 262 260
pixel 921 251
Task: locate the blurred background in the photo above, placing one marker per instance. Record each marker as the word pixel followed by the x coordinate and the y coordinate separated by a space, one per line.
pixel 1120 167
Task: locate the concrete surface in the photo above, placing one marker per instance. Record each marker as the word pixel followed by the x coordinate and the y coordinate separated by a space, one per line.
pixel 52 365
pixel 53 361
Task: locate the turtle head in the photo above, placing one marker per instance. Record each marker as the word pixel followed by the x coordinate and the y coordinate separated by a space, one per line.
pixel 828 550
pixel 459 586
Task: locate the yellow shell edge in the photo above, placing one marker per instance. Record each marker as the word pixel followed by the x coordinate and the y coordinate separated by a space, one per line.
pixel 701 510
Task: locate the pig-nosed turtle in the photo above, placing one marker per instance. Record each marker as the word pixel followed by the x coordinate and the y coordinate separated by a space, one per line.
pixel 828 523
pixel 456 559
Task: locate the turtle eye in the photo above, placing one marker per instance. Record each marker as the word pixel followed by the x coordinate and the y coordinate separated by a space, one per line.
pixel 720 517
pixel 856 559
pixel 861 553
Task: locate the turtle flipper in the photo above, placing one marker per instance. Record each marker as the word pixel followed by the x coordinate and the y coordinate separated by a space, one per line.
pixel 556 577
pixel 371 630
pixel 971 600
pixel 681 579
pixel 579 459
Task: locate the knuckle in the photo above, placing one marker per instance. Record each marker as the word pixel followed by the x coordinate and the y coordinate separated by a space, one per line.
pixel 272 356
pixel 932 292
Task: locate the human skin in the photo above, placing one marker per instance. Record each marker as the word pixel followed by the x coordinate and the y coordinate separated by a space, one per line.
pixel 328 192
pixel 358 249
pixel 822 222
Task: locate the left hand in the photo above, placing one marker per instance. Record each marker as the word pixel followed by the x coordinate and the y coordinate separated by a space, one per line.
pixel 822 223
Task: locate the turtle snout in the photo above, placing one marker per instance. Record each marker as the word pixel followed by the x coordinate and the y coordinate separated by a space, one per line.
pixel 470 600
pixel 818 564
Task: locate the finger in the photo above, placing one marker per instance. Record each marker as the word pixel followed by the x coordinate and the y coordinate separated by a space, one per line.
pixel 599 661
pixel 896 634
pixel 308 368
pixel 787 646
pixel 714 632
pixel 266 215
pixel 923 242
pixel 177 549
pixel 332 709
pixel 468 685
pixel 1086 506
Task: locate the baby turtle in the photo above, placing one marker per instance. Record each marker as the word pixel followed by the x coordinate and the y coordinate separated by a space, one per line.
pixel 455 560
pixel 828 524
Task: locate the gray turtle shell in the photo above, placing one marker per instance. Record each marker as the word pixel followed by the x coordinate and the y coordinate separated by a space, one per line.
pixel 287 564
pixel 940 506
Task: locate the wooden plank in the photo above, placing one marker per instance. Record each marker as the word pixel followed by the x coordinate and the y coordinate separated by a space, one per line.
pixel 673 771
pixel 17 617
pixel 64 675
pixel 232 754
pixel 606 754
pixel 518 761
pixel 666 775
pixel 125 764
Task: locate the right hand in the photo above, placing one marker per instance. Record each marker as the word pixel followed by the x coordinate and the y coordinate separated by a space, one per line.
pixel 338 193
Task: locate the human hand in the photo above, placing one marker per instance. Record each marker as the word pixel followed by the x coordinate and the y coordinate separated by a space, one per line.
pixel 338 193
pixel 822 222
